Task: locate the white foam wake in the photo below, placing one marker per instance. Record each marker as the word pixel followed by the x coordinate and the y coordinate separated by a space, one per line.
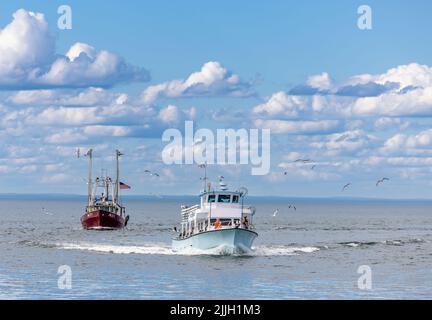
pixel 165 249
pixel 282 250
pixel 119 249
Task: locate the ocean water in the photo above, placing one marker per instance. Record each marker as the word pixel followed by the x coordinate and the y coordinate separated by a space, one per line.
pixel 313 252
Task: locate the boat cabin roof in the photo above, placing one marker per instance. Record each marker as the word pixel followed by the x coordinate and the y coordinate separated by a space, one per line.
pixel 221 196
pixel 220 192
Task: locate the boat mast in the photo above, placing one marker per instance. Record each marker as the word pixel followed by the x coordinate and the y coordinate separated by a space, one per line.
pixel 90 184
pixel 118 154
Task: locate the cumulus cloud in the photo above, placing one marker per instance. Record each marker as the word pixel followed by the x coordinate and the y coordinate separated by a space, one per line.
pixel 402 91
pixel 316 84
pixel 298 127
pixel 281 104
pixel 212 80
pixel 63 97
pixel 28 59
pixel 347 142
pixel 419 143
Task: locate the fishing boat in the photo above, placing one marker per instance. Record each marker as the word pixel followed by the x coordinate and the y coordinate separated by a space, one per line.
pixel 221 222
pixel 104 212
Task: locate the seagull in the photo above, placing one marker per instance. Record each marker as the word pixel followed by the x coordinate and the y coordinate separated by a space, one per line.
pixel 304 160
pixel 293 206
pixel 313 167
pixel 346 186
pixel 275 212
pixel 221 178
pixel 285 173
pixel 151 173
pixel 381 181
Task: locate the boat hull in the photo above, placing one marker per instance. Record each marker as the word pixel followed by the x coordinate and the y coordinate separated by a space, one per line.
pixel 102 220
pixel 229 241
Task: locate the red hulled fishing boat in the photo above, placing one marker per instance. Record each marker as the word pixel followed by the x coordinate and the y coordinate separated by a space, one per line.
pixel 104 212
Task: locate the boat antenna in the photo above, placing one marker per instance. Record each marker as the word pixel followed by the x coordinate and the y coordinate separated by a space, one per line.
pixel 204 166
pixel 118 154
pixel 90 184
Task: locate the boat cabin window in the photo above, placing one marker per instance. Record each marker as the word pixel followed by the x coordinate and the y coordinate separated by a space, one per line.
pixel 235 199
pixel 211 198
pixel 224 198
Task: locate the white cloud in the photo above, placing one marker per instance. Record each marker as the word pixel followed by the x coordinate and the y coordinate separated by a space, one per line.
pixel 107 131
pixel 28 59
pixel 59 97
pixel 348 141
pixel 419 143
pixel 394 123
pixel 298 127
pixel 212 80
pixel 65 136
pixel 57 178
pixel 320 81
pixel 65 116
pixel 281 104
pixel 416 102
pixel 405 90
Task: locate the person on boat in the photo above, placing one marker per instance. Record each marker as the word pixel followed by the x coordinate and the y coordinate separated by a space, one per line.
pixel 217 224
pixel 245 222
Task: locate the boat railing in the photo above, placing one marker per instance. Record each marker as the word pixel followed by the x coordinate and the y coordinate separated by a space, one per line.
pixel 187 210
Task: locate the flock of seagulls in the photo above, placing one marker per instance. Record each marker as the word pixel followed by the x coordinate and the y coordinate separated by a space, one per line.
pixel 382 180
pixel 310 161
pixel 346 186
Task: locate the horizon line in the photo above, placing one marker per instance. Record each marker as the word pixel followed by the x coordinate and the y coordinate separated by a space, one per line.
pixel 353 198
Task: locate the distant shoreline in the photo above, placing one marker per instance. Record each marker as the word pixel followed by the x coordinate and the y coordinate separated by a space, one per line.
pixel 251 198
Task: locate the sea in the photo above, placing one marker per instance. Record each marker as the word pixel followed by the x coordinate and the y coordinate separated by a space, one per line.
pixel 322 249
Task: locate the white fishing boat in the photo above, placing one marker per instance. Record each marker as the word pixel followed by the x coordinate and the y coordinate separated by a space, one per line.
pixel 221 222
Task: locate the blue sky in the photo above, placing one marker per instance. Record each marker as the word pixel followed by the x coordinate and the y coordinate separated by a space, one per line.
pixel 356 101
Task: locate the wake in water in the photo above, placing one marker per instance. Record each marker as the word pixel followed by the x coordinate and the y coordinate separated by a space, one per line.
pixel 164 249
pixel 384 242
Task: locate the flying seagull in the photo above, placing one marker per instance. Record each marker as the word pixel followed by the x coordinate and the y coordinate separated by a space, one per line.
pixel 275 212
pixel 381 181
pixel 151 173
pixel 304 160
pixel 346 186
